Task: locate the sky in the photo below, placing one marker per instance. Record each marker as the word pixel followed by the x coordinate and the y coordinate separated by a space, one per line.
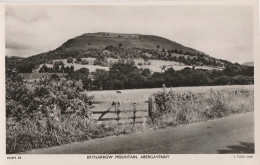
pixel 224 32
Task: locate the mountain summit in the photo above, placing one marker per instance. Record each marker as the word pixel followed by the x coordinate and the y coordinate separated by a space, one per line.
pixel 104 39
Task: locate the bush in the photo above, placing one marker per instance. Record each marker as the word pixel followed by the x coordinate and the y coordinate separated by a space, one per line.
pixel 140 63
pixel 49 113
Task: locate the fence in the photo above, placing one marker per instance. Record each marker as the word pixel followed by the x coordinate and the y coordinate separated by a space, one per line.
pixel 118 109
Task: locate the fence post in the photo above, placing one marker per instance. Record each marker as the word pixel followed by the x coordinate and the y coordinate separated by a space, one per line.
pixel 150 107
pixel 118 111
pixel 134 108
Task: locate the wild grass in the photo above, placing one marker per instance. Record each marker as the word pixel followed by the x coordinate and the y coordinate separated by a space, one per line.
pixel 30 136
pixel 178 108
pixel 174 107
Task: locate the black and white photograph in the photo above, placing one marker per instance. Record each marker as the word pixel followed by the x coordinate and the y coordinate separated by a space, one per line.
pixel 156 79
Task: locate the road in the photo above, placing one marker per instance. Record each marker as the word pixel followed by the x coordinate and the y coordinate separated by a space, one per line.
pixel 233 134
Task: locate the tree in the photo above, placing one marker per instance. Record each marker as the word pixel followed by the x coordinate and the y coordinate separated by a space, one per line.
pixel 56 67
pixel 71 69
pixel 163 68
pixel 60 63
pixel 55 77
pixel 146 73
pixel 62 69
pixel 25 67
pixel 84 62
pixel 44 69
pixel 157 79
pixel 83 71
pixel 67 69
pixel 134 80
pixel 100 60
pixel 70 60
pixel 145 57
pixel 119 74
pixel 100 77
pixel 78 58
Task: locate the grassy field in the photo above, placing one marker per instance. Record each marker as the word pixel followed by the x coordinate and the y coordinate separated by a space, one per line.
pixel 37 76
pixel 142 95
pixel 126 98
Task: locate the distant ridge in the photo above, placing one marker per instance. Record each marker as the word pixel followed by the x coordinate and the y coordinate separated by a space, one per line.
pixel 251 63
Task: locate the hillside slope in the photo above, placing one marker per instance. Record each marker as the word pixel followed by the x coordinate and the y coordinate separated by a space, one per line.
pixel 102 39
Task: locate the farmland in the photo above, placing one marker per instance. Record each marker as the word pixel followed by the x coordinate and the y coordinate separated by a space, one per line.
pixel 228 98
pixel 142 95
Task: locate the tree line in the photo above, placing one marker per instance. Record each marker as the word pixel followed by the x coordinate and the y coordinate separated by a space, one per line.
pixel 128 76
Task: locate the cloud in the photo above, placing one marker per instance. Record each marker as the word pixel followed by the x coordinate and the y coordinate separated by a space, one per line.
pixel 21 52
pixel 27 14
pixel 12 44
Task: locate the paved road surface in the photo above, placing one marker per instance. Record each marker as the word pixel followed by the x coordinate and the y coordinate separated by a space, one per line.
pixel 226 135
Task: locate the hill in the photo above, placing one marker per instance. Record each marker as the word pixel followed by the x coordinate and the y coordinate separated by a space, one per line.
pixel 102 46
pixel 249 63
pixel 102 40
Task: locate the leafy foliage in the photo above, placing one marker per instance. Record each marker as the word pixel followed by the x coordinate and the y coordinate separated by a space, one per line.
pixel 43 107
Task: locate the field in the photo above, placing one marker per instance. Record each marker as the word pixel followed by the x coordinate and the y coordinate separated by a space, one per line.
pixel 156 65
pixel 142 95
pixel 126 98
pixel 30 77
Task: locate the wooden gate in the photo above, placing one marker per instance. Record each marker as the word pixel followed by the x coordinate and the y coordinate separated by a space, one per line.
pixel 133 112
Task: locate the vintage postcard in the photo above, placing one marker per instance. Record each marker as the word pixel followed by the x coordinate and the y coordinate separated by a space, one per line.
pixel 173 82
